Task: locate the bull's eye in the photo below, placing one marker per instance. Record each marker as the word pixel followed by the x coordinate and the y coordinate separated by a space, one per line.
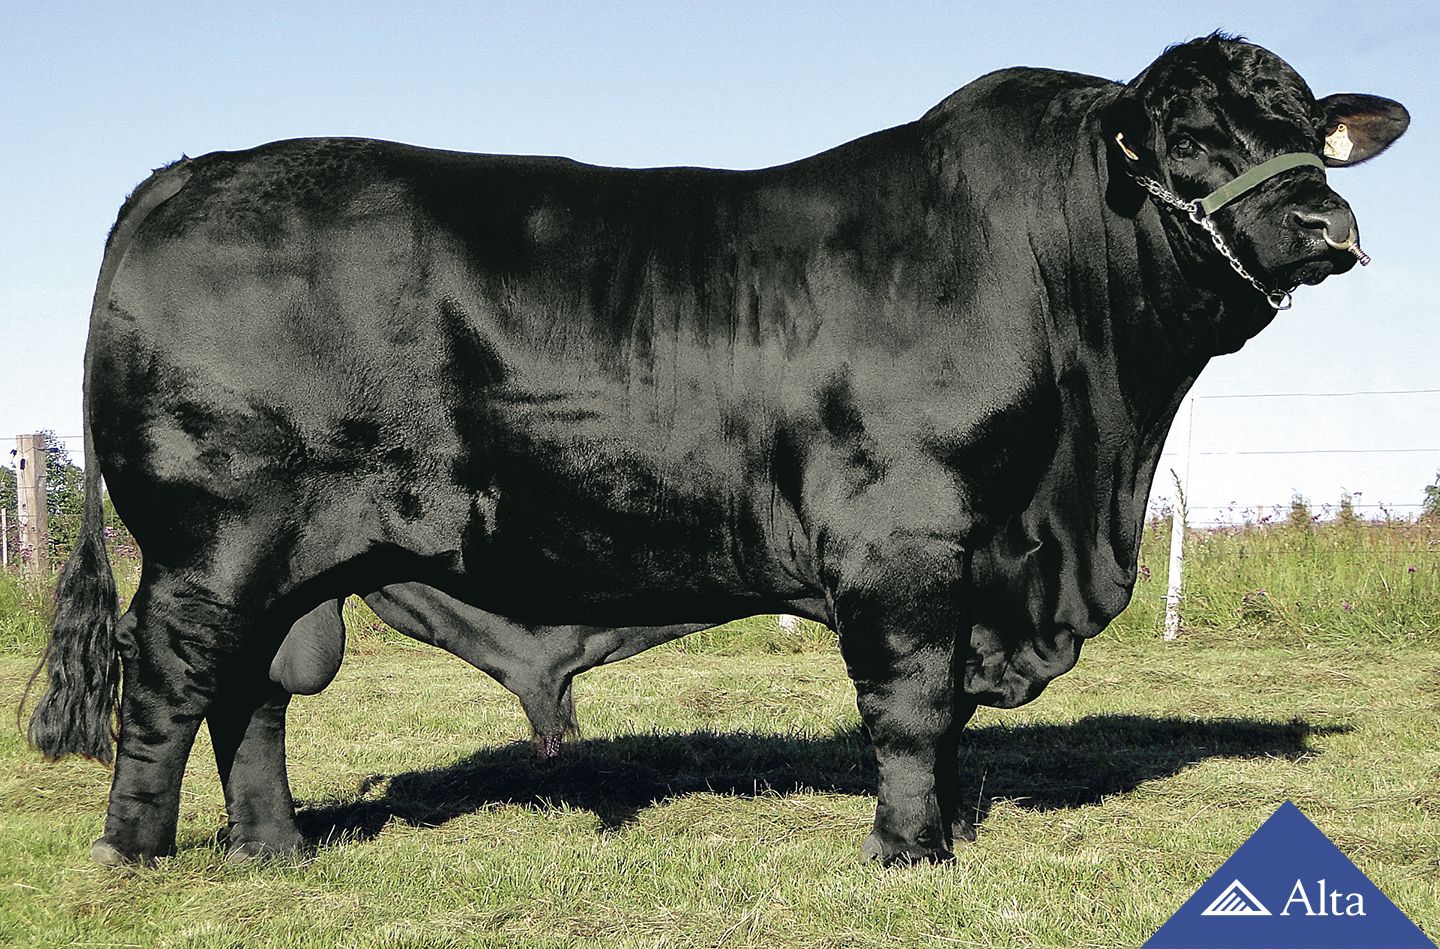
pixel 1184 147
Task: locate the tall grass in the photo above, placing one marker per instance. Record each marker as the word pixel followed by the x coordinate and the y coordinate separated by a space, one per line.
pixel 1303 582
pixel 1332 582
pixel 27 599
pixel 24 609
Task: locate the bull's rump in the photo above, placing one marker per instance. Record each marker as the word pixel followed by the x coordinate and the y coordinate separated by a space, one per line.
pixel 501 368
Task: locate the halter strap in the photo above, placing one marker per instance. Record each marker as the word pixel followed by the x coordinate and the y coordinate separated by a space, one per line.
pixel 1237 186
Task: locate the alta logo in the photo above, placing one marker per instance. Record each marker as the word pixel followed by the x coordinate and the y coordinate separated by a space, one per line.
pixel 1235 900
pixel 1288 887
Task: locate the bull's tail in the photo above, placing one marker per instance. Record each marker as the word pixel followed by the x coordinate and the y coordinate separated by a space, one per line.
pixel 76 713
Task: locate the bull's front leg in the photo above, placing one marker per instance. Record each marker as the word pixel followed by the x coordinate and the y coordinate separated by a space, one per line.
pixel 898 609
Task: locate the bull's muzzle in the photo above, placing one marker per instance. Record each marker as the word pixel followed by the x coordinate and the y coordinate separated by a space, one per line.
pixel 1330 222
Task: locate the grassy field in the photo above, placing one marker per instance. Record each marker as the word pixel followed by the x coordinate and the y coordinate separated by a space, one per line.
pixel 722 788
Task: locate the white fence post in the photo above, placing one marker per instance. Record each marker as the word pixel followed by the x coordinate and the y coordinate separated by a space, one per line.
pixel 1174 591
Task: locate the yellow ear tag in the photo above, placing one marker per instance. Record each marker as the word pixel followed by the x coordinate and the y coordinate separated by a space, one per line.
pixel 1120 140
pixel 1338 144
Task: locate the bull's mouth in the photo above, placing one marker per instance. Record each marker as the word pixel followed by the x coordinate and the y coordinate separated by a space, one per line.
pixel 1335 257
pixel 1311 272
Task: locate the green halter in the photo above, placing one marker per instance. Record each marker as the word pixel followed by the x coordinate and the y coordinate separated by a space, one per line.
pixel 1264 171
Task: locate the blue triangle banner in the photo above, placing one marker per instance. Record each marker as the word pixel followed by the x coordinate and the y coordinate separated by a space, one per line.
pixel 1288 887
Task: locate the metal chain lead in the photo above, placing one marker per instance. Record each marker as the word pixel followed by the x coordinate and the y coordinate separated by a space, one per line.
pixel 1278 299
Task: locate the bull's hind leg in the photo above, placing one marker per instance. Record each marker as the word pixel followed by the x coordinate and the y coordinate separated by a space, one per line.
pixel 247 728
pixel 175 640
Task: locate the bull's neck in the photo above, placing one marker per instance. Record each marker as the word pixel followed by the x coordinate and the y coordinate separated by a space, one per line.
pixel 1124 302
pixel 1128 327
pixel 1120 281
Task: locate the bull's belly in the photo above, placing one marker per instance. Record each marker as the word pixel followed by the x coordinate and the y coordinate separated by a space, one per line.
pixel 551 541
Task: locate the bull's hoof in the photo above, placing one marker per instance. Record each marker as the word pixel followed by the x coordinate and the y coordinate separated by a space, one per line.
pixel 902 855
pixel 547 747
pixel 107 854
pixel 254 851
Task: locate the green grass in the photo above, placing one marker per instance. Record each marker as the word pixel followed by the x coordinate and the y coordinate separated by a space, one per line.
pixel 1330 583
pixel 719 800
pixel 722 789
pixel 24 606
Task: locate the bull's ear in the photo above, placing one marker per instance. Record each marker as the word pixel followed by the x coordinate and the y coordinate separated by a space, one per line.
pixel 1127 130
pixel 1359 127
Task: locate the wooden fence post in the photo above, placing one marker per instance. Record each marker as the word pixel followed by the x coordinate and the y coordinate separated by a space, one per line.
pixel 33 519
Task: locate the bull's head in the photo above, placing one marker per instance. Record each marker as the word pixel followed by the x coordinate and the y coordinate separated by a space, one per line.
pixel 1207 112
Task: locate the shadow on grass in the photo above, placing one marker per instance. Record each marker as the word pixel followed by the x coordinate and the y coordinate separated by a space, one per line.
pixel 1043 767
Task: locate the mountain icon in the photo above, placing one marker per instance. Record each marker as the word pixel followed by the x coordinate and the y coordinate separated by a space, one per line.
pixel 1235 900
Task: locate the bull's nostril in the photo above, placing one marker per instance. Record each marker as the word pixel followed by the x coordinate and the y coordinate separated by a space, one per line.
pixel 1311 219
pixel 1336 222
pixel 1336 227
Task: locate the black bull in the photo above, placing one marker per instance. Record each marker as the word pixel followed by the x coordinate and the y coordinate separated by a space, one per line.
pixel 546 415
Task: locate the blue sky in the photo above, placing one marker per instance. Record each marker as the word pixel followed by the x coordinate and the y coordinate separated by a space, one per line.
pixel 93 96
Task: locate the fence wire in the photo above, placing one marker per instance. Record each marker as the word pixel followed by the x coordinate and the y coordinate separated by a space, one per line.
pixel 1213 515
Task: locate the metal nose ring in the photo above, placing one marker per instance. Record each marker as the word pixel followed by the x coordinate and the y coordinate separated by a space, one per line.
pixel 1351 244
